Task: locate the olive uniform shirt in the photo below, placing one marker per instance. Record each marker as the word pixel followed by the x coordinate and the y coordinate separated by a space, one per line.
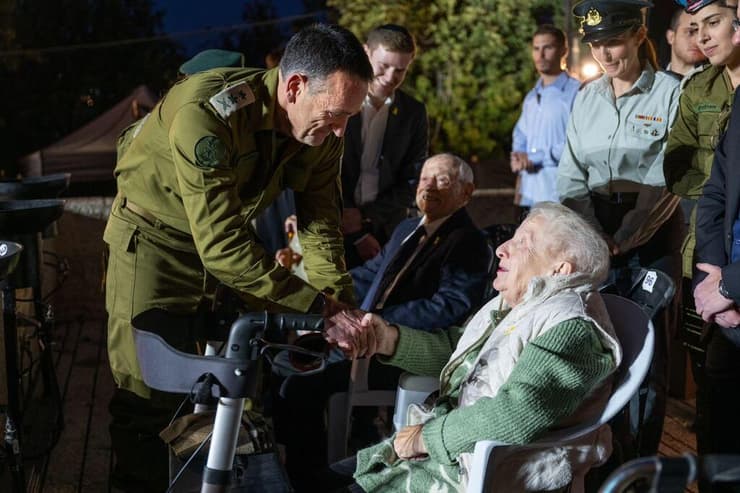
pixel 704 110
pixel 191 177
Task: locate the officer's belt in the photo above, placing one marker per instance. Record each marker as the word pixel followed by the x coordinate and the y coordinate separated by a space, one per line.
pixel 138 210
pixel 617 198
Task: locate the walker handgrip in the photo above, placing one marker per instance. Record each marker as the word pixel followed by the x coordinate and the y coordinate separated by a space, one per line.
pixel 293 322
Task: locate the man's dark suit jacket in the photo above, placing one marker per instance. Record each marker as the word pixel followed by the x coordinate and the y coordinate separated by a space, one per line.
pixel 444 283
pixel 718 210
pixel 404 150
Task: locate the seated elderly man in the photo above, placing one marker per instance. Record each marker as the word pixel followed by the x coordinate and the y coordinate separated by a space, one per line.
pixel 433 271
pixel 536 357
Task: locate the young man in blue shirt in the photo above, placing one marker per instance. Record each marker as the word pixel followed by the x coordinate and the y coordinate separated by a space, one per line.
pixel 539 135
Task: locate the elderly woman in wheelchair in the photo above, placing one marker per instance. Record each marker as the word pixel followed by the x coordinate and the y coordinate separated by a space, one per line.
pixel 536 358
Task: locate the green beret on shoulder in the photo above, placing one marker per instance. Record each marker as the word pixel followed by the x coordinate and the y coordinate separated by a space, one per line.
pixel 208 59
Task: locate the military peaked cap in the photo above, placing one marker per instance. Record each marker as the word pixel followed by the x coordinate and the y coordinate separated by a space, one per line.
pixel 603 19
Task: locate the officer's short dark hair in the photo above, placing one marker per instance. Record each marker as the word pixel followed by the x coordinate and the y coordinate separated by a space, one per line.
pixel 319 50
pixel 674 19
pixel 393 38
pixel 553 31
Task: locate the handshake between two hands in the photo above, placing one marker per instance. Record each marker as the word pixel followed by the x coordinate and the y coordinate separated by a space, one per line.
pixel 360 334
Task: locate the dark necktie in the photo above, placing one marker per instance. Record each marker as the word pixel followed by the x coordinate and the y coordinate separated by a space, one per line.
pixel 402 256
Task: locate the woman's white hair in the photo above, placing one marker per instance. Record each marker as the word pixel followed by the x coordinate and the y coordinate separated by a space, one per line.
pixel 571 236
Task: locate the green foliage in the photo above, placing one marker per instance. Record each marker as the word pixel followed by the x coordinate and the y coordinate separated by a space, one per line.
pixel 474 66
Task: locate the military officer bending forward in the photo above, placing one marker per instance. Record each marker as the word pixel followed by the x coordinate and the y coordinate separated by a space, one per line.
pixel 216 150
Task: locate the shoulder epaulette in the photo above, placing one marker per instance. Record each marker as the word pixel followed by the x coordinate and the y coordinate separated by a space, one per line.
pixel 232 98
pixel 671 73
pixel 692 73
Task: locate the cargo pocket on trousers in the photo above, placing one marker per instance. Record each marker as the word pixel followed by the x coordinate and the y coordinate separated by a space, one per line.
pixel 119 283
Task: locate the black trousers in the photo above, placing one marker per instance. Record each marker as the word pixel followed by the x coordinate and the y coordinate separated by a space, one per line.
pixel 141 457
pixel 718 403
pixel 300 423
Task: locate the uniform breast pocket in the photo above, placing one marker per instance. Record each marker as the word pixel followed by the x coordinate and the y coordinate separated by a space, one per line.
pixel 709 126
pixel 647 127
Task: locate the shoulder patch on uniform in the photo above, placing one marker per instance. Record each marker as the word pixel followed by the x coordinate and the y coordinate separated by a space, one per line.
pixel 210 152
pixel 232 98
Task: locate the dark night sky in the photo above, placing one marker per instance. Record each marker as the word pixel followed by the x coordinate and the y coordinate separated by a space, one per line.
pixel 182 16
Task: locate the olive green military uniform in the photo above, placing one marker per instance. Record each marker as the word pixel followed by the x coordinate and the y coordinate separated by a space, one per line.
pixel 191 177
pixel 704 109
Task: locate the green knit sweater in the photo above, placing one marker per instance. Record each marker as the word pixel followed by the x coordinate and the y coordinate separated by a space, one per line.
pixel 554 374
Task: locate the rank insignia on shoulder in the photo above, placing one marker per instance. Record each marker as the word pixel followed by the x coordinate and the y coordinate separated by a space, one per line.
pixel 232 98
pixel 210 152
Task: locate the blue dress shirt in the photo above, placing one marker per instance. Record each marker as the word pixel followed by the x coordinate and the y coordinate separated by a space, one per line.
pixel 540 132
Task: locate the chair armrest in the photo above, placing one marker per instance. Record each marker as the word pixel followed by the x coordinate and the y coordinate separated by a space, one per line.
pixel 412 389
pixel 480 465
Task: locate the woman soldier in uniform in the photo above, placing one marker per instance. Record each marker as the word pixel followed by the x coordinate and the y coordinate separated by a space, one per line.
pixel 612 167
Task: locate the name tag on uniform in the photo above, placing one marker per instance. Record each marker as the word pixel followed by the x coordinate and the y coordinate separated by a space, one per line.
pixel 647 126
pixel 232 98
pixel 705 107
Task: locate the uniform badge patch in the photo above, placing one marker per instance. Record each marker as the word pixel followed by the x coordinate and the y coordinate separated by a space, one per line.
pixel 210 152
pixel 231 99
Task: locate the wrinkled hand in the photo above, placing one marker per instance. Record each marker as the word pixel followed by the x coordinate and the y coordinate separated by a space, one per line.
pixel 344 329
pixel 287 257
pixel 361 335
pixel 729 319
pixel 409 443
pixel 706 295
pixel 368 247
pixel 351 220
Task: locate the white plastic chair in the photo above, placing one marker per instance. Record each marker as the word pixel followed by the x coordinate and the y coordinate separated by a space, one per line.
pixel 635 333
pixel 340 407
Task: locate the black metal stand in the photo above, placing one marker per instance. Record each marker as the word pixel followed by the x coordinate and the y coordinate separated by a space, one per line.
pixel 9 256
pixel 12 438
pixel 23 221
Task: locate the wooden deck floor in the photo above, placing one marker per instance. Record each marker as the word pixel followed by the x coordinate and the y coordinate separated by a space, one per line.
pixel 81 460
